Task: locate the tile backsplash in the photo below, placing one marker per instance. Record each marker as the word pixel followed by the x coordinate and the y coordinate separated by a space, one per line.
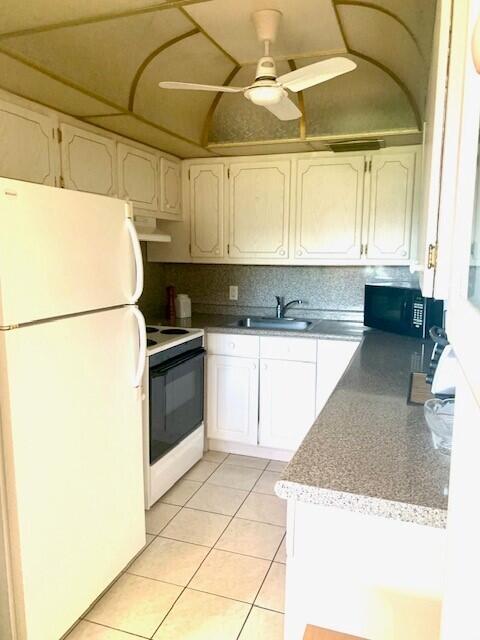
pixel 326 291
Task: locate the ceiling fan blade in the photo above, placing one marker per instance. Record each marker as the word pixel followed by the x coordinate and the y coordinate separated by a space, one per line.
pixel 285 109
pixel 198 87
pixel 316 73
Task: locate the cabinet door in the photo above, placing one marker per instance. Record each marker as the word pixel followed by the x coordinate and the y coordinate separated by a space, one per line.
pixel 29 146
pixel 287 402
pixel 171 187
pixel 88 161
pixel 333 357
pixel 391 206
pixel 232 399
pixel 137 176
pixel 259 210
pixel 206 185
pixel 329 208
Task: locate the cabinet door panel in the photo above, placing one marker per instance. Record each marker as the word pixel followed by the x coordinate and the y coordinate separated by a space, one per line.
pixel 287 402
pixel 391 206
pixel 329 208
pixel 88 161
pixel 171 187
pixel 137 175
pixel 259 210
pixel 29 147
pixel 206 186
pixel 232 399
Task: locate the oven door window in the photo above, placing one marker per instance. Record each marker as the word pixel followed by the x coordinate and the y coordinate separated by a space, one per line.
pixel 176 403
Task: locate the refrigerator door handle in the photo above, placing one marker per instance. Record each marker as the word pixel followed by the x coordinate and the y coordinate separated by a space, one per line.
pixel 142 351
pixel 137 253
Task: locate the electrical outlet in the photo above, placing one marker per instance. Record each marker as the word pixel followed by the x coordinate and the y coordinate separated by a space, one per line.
pixel 233 292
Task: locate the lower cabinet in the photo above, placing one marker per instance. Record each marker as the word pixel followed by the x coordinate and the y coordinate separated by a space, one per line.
pixel 232 399
pixel 287 402
pixel 333 357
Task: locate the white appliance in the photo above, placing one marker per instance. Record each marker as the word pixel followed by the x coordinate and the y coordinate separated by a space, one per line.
pixel 173 406
pixel 72 353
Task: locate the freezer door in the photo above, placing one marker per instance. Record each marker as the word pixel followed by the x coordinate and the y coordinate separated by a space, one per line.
pixel 63 252
pixel 72 456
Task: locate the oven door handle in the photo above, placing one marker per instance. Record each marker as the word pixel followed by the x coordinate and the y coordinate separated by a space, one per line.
pixel 161 369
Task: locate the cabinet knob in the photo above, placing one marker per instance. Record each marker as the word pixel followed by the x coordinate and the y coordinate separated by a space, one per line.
pixel 232 345
pixel 254 366
pixel 299 253
pixel 282 252
pixel 217 251
pixel 404 253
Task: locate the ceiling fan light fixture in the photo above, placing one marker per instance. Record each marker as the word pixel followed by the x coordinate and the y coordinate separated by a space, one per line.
pixel 265 95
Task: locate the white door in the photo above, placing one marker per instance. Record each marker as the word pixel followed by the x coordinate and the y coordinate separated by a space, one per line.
pixel 62 252
pixel 171 188
pixel 29 145
pixel 287 402
pixel 232 398
pixel 206 198
pixel 72 456
pixel 329 208
pixel 434 131
pixel 89 161
pixel 259 209
pixel 138 177
pixel 333 358
pixel 460 616
pixel 391 206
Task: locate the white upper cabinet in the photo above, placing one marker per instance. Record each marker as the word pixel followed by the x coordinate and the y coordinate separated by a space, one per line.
pixel 206 203
pixel 89 161
pixel 259 207
pixel 329 207
pixel 171 187
pixel 391 206
pixel 29 145
pixel 137 177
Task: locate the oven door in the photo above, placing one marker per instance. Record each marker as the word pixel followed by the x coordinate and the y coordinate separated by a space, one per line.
pixel 176 400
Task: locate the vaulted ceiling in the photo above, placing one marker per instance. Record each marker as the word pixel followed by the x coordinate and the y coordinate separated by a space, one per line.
pixel 101 61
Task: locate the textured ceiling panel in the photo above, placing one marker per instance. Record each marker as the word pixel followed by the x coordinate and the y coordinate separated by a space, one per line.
pixel 102 57
pixel 33 14
pixel 307 26
pixel 366 99
pixel 236 119
pixel 143 132
pixel 29 83
pixel 252 150
pixel 195 59
pixel 381 38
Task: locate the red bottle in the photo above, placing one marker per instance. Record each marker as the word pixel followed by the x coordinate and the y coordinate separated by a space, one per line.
pixel 171 314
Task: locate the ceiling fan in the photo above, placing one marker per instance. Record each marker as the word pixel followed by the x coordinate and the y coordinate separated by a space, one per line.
pixel 268 90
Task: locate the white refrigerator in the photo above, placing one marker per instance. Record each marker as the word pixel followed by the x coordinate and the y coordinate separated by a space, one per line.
pixel 72 352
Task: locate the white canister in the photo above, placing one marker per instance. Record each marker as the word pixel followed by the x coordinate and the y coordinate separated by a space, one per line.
pixel 183 306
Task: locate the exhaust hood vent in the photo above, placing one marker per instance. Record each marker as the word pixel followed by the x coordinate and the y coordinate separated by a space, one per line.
pixel 356 145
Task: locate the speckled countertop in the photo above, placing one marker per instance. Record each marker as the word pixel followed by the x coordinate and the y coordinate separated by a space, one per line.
pixel 368 450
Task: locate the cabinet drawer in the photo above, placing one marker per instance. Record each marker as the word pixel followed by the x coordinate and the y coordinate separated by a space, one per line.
pixel 226 344
pixel 298 349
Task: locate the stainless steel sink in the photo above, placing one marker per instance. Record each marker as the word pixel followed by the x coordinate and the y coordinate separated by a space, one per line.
pixel 289 324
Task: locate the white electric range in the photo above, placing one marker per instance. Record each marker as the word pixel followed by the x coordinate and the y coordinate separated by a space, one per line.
pixel 173 405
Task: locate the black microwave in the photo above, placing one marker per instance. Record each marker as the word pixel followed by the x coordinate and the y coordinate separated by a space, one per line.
pixel 401 310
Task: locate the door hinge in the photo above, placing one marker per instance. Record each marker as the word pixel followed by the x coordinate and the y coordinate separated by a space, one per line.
pixel 228 249
pixel 370 166
pixel 61 182
pixel 228 173
pixel 190 248
pixel 432 256
pixel 189 174
pixel 59 135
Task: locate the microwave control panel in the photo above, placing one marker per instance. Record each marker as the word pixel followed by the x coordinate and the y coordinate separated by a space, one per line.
pixel 418 312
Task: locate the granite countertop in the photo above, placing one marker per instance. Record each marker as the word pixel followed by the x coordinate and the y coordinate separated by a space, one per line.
pixel 368 450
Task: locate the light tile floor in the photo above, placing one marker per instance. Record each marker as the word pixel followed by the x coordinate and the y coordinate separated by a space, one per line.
pixel 214 564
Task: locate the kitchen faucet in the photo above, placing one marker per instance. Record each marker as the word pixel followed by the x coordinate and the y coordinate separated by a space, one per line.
pixel 282 307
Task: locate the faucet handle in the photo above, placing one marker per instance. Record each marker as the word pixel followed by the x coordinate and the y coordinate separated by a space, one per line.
pixel 279 299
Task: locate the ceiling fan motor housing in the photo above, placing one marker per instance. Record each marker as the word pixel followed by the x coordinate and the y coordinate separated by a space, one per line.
pixel 266 69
